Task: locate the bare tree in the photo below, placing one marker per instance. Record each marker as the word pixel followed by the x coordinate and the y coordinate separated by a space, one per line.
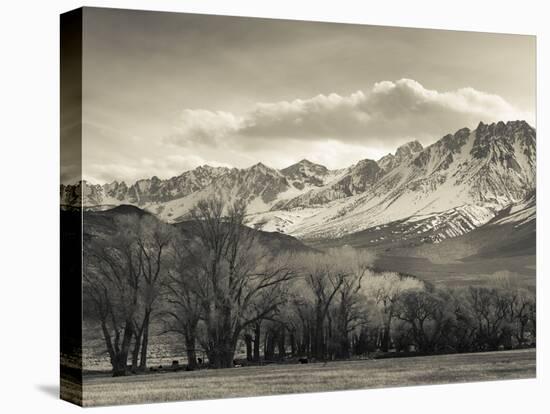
pixel 490 308
pixel 303 320
pixel 323 278
pixel 386 288
pixel 183 304
pixel 113 270
pixel 122 278
pixel 426 313
pixel 520 303
pixel 152 238
pixel 239 281
pixel 350 312
pixel 464 330
pixel 532 312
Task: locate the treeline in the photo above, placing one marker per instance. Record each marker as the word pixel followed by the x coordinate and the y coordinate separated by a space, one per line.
pixel 212 282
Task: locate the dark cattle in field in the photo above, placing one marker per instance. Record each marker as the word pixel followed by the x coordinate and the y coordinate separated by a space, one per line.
pixel 303 360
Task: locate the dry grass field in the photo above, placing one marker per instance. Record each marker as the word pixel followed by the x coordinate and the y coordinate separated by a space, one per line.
pixel 332 376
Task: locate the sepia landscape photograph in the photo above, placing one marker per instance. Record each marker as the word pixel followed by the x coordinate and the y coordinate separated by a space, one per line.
pixel 262 206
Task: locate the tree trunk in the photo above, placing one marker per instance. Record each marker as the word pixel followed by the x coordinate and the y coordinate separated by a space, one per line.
pixel 318 339
pixel 292 340
pixel 281 343
pixel 120 360
pixel 135 352
pixel 220 358
pixel 190 349
pixel 119 365
pixel 344 346
pixel 385 340
pixel 145 342
pixel 257 340
pixel 329 342
pixel 108 342
pixel 221 353
pixel 306 341
pixel 269 346
pixel 248 342
pixel 227 358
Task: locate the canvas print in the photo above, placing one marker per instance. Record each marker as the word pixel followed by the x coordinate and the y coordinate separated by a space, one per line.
pixel 259 206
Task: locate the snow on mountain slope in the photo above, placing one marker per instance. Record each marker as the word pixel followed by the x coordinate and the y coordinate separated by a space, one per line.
pixel 307 174
pixel 142 191
pixel 444 190
pixel 356 179
pixel 510 234
pixel 519 213
pixel 403 153
pixel 260 186
pixel 475 172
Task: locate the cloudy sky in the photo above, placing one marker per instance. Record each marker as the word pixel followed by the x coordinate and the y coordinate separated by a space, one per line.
pixel 167 92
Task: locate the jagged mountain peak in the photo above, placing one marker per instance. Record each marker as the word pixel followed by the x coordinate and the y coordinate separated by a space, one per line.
pixel 360 177
pixel 305 165
pixel 386 162
pixel 458 182
pixel 505 141
pixel 366 162
pixel 449 176
pixel 209 168
pixel 503 127
pixel 258 165
pixel 404 153
pixel 261 168
pixel 305 173
pixel 452 143
pixel 408 149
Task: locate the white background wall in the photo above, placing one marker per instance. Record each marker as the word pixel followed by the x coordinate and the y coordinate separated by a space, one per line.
pixel 29 237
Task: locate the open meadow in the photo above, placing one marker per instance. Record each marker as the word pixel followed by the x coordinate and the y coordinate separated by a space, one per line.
pixel 317 377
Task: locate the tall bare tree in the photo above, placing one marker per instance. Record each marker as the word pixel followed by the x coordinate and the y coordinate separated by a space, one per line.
pixel 386 288
pixel 490 308
pixel 183 299
pixel 323 278
pixel 427 316
pixel 152 238
pixel 113 270
pixel 122 278
pixel 239 281
pixel 350 312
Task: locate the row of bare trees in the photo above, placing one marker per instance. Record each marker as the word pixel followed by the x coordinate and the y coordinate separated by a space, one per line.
pixel 208 281
pixel 466 320
pixel 211 281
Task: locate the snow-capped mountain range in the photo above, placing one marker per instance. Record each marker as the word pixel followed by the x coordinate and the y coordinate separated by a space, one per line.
pixel 444 190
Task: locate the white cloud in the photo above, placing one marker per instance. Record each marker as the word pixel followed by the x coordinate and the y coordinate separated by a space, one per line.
pixel 203 126
pixel 332 129
pixel 384 116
